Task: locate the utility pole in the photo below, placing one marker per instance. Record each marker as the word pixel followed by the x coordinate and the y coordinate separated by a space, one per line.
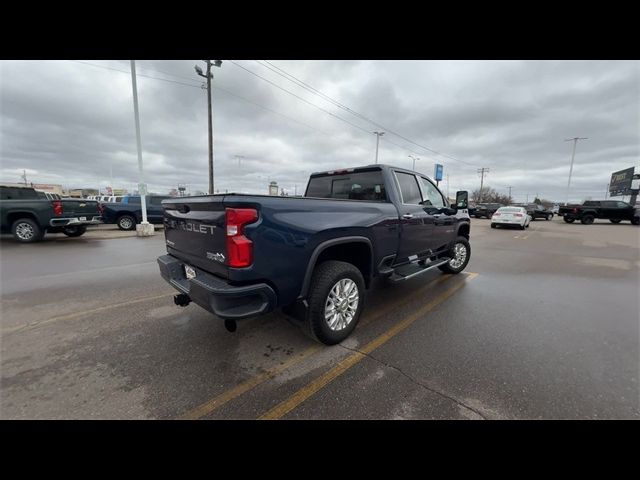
pixel 209 77
pixel 378 135
pixel 414 161
pixel 239 157
pixel 606 192
pixel 509 187
pixel 482 171
pixel 143 202
pixel 24 177
pixel 573 154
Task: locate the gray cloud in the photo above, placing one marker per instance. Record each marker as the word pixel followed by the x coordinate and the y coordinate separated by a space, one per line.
pixel 73 123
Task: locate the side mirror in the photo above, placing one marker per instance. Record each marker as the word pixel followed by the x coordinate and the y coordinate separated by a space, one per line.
pixel 462 200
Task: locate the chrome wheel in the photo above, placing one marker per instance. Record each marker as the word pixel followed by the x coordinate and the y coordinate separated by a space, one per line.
pixel 126 223
pixel 342 304
pixel 24 231
pixel 459 256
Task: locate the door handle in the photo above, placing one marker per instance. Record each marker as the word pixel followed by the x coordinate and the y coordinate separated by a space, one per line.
pixel 408 216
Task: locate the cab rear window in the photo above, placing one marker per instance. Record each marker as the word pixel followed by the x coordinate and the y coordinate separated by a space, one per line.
pixel 348 186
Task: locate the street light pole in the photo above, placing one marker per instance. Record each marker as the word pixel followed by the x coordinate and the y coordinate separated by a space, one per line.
pixel 136 114
pixel 209 77
pixel 414 161
pixel 378 135
pixel 573 154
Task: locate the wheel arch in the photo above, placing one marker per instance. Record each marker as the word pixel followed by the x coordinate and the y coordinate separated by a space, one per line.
pixel 356 250
pixel 464 230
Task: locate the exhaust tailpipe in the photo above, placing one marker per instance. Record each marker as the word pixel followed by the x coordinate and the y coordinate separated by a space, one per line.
pixel 230 325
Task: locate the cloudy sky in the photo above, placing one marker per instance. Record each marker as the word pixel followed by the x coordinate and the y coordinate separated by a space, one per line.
pixel 71 122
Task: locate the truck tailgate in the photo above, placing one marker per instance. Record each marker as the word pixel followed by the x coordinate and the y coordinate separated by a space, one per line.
pixel 80 208
pixel 194 230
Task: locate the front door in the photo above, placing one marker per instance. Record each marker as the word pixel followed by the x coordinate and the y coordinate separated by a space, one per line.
pixel 416 222
pixel 443 225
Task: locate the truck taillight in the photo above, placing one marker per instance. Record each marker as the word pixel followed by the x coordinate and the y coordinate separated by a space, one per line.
pixel 57 208
pixel 239 247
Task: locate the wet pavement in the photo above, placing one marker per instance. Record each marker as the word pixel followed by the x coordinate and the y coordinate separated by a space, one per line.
pixel 542 324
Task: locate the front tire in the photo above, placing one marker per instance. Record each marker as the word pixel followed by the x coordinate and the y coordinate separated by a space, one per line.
pixel 25 230
pixel 75 231
pixel 336 301
pixel 126 222
pixel 461 253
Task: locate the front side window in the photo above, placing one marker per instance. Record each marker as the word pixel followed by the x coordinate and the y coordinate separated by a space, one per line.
pixel 409 189
pixel 432 196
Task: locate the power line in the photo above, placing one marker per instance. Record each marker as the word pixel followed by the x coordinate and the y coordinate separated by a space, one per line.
pixel 139 74
pixel 314 91
pixel 313 104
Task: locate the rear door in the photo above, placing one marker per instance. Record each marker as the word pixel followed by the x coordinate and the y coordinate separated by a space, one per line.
pixel 416 221
pixel 194 230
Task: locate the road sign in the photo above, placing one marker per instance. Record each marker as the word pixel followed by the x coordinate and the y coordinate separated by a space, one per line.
pixel 437 172
pixel 142 189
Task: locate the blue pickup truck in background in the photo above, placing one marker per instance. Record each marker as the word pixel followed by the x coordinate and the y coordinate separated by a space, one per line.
pixel 240 255
pixel 128 212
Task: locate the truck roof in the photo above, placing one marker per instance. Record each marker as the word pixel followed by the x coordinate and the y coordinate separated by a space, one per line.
pixel 378 166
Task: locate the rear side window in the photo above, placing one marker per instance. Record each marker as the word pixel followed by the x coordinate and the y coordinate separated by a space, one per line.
pixel 591 204
pixel 134 200
pixel 348 186
pixel 17 193
pixel 409 188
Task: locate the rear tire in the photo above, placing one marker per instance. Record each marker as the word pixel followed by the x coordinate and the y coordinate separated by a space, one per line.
pixel 522 227
pixel 26 230
pixel 457 267
pixel 493 225
pixel 587 219
pixel 327 277
pixel 75 231
pixel 126 222
pixel 635 221
pixel 615 220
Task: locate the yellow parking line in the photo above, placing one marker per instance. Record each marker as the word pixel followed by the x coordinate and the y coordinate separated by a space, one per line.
pixel 80 314
pixel 316 385
pixel 211 405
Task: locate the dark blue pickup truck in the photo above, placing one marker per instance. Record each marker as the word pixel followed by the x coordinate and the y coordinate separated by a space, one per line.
pixel 239 255
pixel 127 213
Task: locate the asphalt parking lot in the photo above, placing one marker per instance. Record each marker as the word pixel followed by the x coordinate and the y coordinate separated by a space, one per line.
pixel 543 324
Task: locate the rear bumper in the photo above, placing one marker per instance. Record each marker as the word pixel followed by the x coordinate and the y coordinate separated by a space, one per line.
pixel 215 294
pixel 67 222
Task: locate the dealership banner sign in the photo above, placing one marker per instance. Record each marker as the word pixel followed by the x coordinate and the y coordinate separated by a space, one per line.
pixel 621 182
